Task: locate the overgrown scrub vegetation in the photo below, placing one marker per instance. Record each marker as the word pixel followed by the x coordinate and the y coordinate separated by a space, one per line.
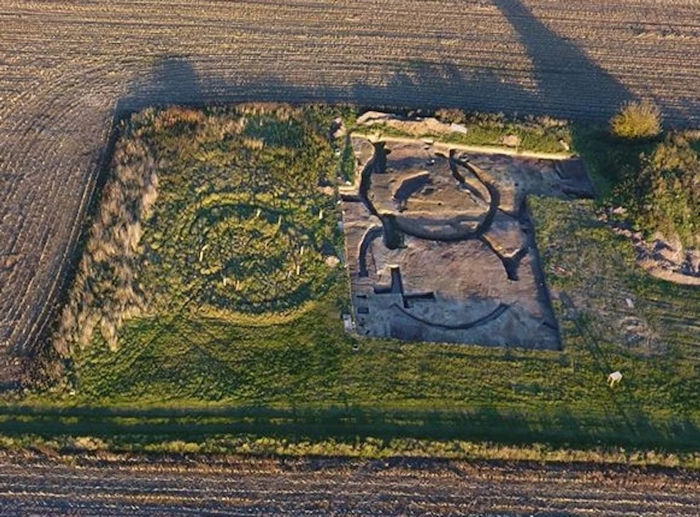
pixel 537 134
pixel 664 194
pixel 637 120
pixel 107 289
pixel 240 226
pixel 656 182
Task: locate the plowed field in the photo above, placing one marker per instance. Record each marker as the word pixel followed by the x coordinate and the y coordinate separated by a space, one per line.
pixel 66 68
pixel 175 485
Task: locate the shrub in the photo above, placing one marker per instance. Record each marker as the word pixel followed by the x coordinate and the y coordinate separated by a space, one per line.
pixel 451 115
pixel 636 120
pixel 665 195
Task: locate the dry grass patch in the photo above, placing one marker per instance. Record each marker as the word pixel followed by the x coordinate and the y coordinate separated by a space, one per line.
pixel 637 120
pixel 106 289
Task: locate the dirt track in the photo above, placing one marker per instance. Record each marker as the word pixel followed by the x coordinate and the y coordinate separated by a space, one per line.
pixel 65 66
pixel 85 484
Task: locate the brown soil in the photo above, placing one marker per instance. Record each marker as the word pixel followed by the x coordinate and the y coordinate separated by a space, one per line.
pixel 440 246
pixel 115 484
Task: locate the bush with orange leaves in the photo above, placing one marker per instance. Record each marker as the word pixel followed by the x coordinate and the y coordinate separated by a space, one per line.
pixel 175 115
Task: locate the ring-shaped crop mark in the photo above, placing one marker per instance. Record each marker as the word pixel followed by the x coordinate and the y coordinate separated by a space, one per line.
pixel 246 253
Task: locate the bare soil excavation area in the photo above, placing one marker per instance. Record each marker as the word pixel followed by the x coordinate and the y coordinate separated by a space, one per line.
pixel 440 245
pixel 178 485
pixel 68 67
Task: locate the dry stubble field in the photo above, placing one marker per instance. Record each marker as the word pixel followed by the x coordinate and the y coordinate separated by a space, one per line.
pixel 67 68
pixel 176 485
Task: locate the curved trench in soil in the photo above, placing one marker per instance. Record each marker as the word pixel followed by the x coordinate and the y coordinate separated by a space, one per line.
pixel 393 230
pixel 502 307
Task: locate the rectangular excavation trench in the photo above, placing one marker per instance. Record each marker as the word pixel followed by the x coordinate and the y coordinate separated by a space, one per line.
pixel 440 246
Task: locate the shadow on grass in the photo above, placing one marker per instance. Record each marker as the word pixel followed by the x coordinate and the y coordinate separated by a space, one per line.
pixel 608 159
pixel 556 428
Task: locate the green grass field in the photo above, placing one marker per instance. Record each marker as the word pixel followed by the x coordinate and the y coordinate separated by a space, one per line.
pixel 216 363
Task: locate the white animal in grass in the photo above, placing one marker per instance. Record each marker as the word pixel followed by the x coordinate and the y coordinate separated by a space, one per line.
pixel 614 378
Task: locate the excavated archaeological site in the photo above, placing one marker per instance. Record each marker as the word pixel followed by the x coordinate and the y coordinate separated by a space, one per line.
pixel 440 246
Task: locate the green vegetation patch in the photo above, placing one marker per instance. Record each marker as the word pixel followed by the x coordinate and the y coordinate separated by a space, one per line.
pixel 537 134
pixel 650 180
pixel 223 213
pixel 618 316
pixel 197 379
pixel 210 361
pixel 664 194
pixel 310 362
pixel 240 224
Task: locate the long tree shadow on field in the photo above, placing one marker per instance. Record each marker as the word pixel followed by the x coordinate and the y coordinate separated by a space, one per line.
pixel 563 73
pixel 567 82
pixel 555 428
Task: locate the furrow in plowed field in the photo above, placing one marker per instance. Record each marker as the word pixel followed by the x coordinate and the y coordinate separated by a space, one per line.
pixel 169 485
pixel 65 66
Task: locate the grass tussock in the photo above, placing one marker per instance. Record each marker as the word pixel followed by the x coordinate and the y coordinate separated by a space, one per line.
pixel 637 120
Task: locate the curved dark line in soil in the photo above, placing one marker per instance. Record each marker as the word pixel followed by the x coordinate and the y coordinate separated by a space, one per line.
pixel 511 264
pixel 391 227
pixel 462 180
pixel 410 186
pixel 463 326
pixel 493 192
pixel 481 228
pixel 376 164
pixel 367 239
pixel 453 169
